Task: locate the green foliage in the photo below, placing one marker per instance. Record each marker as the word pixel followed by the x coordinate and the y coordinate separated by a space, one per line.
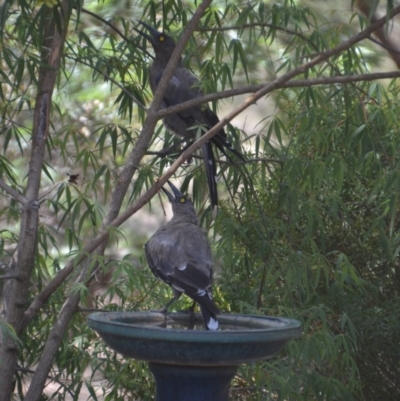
pixel 318 240
pixel 308 229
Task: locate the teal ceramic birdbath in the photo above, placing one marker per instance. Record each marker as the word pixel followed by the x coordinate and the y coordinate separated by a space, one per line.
pixel 188 362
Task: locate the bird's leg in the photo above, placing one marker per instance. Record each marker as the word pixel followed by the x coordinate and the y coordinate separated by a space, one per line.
pixel 172 149
pixel 191 311
pixel 164 309
pixel 188 144
pixel 189 159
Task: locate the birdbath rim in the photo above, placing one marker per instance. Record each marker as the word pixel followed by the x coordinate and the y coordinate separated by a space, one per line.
pixel 133 334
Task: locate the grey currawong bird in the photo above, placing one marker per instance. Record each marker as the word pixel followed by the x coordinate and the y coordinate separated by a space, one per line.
pixel 184 86
pixel 179 254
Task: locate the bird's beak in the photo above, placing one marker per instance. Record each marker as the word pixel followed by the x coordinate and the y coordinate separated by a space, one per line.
pixel 177 194
pixel 170 196
pixel 153 32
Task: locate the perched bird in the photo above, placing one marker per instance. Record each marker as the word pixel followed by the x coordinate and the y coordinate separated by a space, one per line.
pixel 179 254
pixel 184 86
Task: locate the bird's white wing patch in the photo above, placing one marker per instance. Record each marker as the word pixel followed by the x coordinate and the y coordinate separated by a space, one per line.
pixel 164 241
pixel 174 81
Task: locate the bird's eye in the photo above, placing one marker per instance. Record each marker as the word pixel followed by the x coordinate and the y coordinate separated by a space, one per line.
pixel 161 38
pixel 182 200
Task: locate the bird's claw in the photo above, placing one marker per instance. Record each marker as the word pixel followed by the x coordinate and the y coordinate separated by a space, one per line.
pixel 163 310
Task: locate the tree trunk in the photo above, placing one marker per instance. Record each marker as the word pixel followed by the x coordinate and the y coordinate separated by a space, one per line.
pixel 52 47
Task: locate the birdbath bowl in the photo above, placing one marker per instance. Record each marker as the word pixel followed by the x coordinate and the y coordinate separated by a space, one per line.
pixel 188 362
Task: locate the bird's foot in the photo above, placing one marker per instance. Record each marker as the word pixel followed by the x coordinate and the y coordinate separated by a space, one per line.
pixel 192 320
pixel 163 310
pixel 174 150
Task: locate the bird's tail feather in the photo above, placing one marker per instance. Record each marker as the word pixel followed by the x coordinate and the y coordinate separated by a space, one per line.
pixel 208 309
pixel 210 318
pixel 223 143
pixel 211 171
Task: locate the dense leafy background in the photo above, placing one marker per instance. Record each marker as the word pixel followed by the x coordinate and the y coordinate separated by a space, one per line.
pixel 309 228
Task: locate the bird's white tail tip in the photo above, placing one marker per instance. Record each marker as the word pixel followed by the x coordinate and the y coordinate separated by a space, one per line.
pixel 212 324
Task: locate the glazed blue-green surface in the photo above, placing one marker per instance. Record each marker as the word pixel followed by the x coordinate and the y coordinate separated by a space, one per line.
pixel 241 338
pixel 192 383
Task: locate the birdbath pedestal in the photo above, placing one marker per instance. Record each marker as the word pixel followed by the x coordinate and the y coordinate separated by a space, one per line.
pixel 191 363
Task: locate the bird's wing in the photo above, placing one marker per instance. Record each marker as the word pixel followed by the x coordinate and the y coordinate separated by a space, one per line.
pixel 183 87
pixel 190 275
pixel 169 260
pixel 185 266
pixel 221 140
pixel 181 90
pixel 160 270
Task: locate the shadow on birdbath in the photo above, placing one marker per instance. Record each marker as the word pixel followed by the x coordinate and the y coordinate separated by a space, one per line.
pixel 193 364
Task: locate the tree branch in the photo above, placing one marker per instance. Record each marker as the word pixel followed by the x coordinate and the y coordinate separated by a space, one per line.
pixel 298 83
pixel 13 193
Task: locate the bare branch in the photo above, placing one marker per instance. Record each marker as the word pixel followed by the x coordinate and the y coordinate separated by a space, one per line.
pixel 13 193
pixel 228 162
pixel 298 83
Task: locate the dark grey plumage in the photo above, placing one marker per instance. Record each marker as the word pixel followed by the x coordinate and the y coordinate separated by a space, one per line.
pixel 184 86
pixel 179 254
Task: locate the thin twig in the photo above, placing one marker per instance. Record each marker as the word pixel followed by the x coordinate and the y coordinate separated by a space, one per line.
pixel 114 28
pixel 243 26
pixel 115 82
pixel 384 45
pixel 10 277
